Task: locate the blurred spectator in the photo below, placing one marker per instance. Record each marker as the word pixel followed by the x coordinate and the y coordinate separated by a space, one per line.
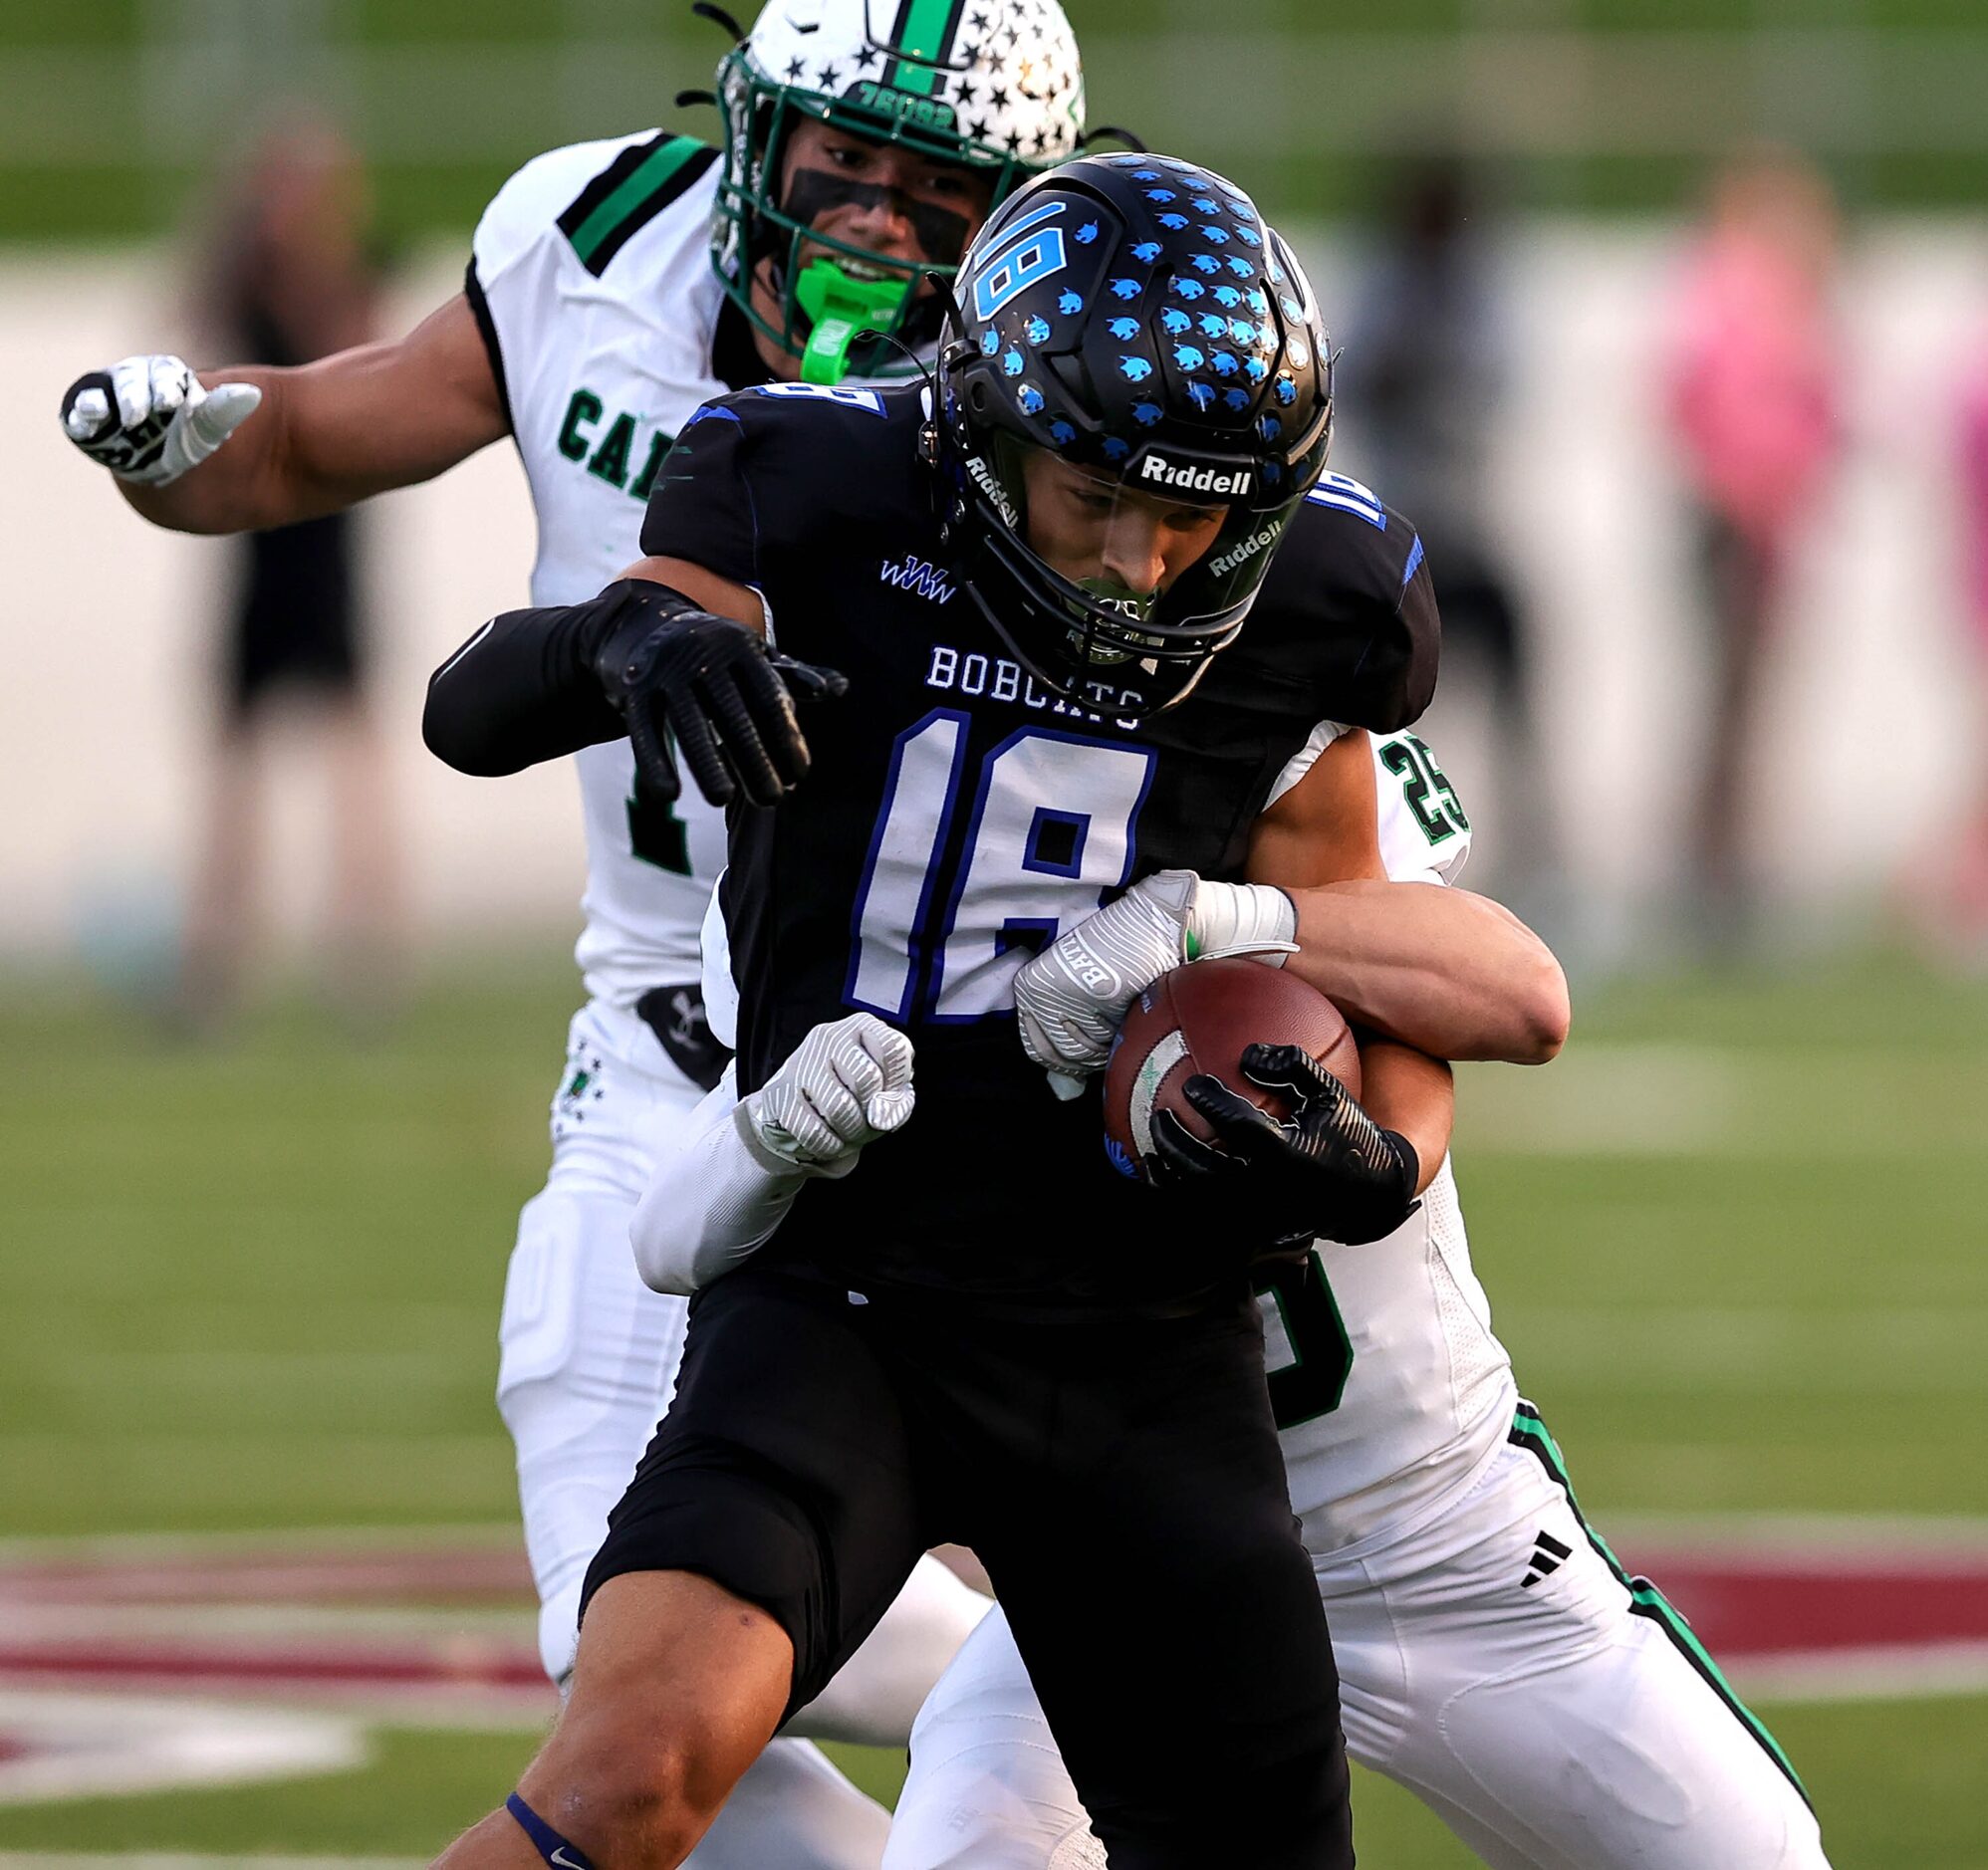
pixel 1950 891
pixel 289 279
pixel 1423 378
pixel 1753 372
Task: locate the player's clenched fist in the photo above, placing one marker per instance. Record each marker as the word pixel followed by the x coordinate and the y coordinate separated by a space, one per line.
pixel 148 419
pixel 1072 998
pixel 846 1084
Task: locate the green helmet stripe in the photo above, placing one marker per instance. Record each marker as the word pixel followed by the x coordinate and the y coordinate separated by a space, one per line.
pixel 925 30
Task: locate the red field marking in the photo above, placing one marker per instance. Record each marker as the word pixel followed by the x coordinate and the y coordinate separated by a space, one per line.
pixel 1747 1605
pixel 429 1575
pixel 1743 1605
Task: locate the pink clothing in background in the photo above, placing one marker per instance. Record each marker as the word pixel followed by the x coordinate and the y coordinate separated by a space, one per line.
pixel 1751 383
pixel 1974 491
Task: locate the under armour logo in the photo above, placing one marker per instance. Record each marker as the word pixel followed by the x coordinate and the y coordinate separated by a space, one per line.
pixel 1549 1554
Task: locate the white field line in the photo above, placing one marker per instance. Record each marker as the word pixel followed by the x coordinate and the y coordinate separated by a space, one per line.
pixel 92 1745
pixel 1879 1673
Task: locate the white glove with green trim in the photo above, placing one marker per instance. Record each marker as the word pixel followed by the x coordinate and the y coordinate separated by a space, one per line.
pixel 148 419
pixel 1072 998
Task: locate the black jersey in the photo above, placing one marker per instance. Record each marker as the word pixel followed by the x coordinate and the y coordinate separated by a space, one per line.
pixel 958 815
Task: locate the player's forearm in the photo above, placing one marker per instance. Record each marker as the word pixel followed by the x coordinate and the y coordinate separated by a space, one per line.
pixel 336 431
pixel 241 487
pixel 1413 1094
pixel 1450 972
pixel 715 1201
pixel 524 689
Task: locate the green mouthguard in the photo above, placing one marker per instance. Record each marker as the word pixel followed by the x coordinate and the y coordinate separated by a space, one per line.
pixel 840 307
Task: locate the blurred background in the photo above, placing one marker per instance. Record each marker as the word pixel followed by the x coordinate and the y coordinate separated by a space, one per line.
pixel 1666 320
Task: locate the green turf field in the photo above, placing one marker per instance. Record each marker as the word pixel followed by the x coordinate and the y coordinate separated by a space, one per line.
pixel 1733 1238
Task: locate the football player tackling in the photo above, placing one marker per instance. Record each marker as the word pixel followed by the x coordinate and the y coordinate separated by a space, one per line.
pixel 1493 1656
pixel 1036 578
pixel 613 288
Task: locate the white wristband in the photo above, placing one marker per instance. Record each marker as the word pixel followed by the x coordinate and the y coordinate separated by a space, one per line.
pixel 1255 919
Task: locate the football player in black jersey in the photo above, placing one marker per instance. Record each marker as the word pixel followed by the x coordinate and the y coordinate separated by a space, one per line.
pixel 1021 596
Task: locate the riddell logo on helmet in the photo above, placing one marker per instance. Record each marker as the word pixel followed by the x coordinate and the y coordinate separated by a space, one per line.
pixel 1236 559
pixel 984 479
pixel 1188 480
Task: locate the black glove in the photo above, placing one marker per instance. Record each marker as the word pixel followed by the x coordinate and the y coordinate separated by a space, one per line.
pixel 675 672
pixel 1329 1171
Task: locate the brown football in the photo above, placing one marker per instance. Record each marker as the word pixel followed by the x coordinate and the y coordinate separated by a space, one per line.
pixel 1199 1018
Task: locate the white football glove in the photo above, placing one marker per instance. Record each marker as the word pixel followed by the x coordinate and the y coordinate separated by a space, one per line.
pixel 148 419
pixel 1072 998
pixel 845 1085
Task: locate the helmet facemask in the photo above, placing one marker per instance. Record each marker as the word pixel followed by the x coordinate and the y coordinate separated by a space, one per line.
pixel 845 68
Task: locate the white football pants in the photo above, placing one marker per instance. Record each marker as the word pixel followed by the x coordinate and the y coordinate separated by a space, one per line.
pixel 588 1361
pixel 1552 1727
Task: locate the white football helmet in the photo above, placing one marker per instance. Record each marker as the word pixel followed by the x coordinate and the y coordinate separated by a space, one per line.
pixel 993 85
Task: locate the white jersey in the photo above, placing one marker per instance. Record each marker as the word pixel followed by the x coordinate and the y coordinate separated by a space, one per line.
pixel 1390 1389
pixel 593 281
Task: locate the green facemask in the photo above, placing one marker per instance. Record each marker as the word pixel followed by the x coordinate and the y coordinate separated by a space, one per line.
pixel 840 307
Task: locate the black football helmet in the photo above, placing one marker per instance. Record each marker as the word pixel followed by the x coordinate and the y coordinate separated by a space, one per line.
pixel 1130 315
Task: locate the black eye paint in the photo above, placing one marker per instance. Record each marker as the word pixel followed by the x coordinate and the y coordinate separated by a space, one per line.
pixel 812 193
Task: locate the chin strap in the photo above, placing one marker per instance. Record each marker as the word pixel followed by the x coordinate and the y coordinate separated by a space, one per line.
pixel 842 308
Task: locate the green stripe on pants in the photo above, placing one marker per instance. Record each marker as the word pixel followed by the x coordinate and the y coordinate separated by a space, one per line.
pixel 1644 1598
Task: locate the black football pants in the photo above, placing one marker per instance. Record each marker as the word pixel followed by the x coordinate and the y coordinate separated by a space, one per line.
pixel 1119 1480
